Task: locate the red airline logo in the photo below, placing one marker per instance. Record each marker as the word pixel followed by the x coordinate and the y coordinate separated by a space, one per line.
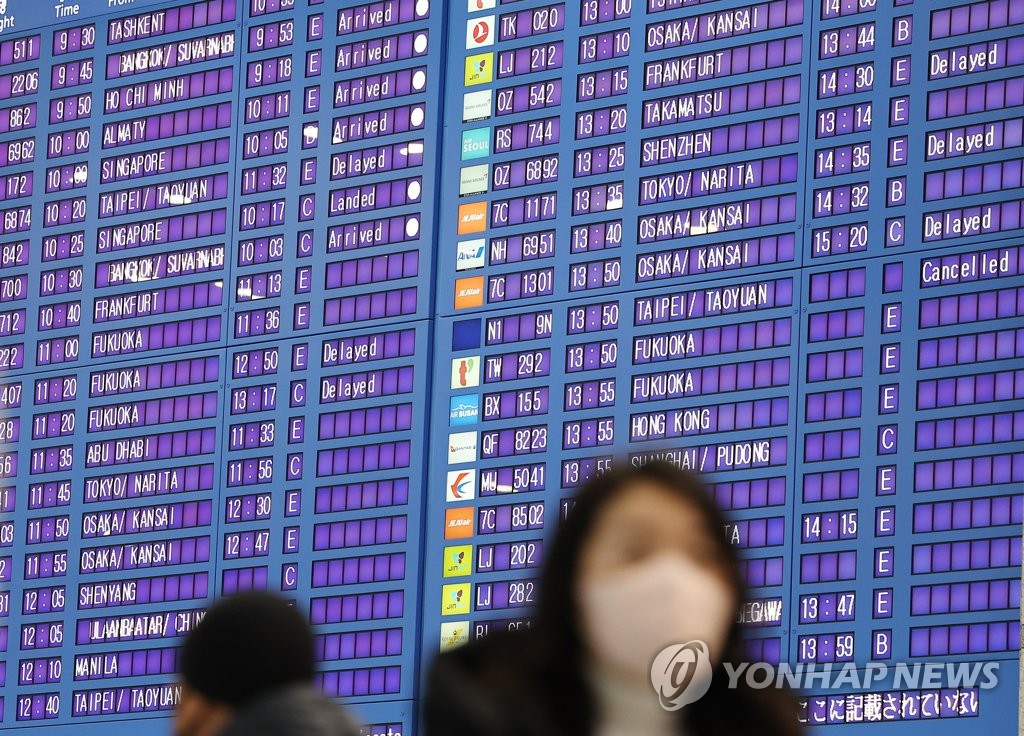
pixel 481 31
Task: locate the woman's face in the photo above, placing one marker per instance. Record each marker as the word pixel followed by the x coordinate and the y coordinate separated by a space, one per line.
pixel 642 521
pixel 652 575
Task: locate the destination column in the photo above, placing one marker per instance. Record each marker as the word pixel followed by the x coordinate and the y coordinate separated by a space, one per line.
pixel 713 360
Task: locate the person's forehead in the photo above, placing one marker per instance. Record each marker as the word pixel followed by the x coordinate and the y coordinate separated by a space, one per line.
pixel 645 504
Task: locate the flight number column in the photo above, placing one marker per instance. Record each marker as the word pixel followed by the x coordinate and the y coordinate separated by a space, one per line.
pixel 19 148
pixel 10 450
pixel 21 78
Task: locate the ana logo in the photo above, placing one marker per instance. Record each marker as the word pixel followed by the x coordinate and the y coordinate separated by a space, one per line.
pixel 454 634
pixel 472 217
pixel 455 599
pixel 469 292
pixel 681 674
pixel 479 69
pixel 458 561
pixel 474 180
pixel 477 105
pixel 474 5
pixel 470 254
pixel 466 372
pixel 458 523
pixel 464 410
pixel 461 485
pixel 476 143
pixel 462 447
pixel 479 32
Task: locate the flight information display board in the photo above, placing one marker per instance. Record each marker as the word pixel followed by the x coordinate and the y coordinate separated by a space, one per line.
pixel 343 299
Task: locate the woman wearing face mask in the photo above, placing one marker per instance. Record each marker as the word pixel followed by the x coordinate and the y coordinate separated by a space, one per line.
pixel 640 565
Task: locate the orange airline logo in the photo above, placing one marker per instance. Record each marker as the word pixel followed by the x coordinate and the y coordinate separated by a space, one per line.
pixel 472 217
pixel 458 523
pixel 469 292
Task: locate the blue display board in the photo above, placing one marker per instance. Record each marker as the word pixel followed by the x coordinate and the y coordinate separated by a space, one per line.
pixel 343 299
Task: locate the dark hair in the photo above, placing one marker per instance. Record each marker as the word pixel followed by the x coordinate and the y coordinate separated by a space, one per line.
pixel 720 711
pixel 246 645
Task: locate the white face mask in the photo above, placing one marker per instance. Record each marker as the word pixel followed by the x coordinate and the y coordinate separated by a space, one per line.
pixel 630 615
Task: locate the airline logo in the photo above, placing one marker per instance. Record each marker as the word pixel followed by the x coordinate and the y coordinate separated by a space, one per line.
pixel 470 254
pixel 464 410
pixel 455 599
pixel 462 447
pixel 477 105
pixel 458 561
pixel 479 32
pixel 472 217
pixel 458 523
pixel 474 180
pixel 466 372
pixel 469 292
pixel 479 69
pixel 476 143
pixel 474 5
pixel 460 485
pixel 454 634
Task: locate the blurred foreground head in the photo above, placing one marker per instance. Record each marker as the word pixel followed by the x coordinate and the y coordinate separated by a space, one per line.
pixel 247 668
pixel 640 563
pixel 640 567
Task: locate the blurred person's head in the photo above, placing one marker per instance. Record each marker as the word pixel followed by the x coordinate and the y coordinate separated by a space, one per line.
pixel 246 646
pixel 653 568
pixel 640 563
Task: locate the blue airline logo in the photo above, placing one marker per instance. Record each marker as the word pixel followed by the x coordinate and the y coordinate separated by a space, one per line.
pixel 464 409
pixel 476 143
